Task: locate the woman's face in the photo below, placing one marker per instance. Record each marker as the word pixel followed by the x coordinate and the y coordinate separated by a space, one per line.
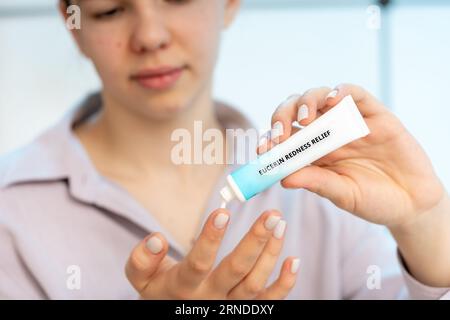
pixel 127 40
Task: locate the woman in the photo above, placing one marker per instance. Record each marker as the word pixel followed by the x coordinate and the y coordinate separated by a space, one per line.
pixel 98 192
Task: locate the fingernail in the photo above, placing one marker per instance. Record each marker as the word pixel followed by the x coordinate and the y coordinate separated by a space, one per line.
pixel 154 244
pixel 279 229
pixel 303 112
pixel 332 94
pixel 262 140
pixel 277 130
pixel 221 220
pixel 271 222
pixel 294 265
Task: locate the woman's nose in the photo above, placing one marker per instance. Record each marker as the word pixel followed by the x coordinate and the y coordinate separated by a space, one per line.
pixel 150 33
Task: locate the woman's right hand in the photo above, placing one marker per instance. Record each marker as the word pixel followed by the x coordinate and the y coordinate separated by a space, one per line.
pixel 242 274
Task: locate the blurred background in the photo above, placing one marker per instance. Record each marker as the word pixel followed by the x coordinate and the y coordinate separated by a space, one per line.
pixel 399 50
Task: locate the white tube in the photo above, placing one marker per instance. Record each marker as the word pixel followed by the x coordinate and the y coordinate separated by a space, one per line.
pixel 342 124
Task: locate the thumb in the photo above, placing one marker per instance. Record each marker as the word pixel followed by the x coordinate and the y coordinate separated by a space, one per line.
pixel 146 260
pixel 324 182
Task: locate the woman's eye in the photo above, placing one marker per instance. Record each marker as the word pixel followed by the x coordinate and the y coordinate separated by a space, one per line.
pixel 178 1
pixel 108 14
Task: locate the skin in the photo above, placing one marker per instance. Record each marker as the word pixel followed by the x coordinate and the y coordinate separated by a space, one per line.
pixel 129 142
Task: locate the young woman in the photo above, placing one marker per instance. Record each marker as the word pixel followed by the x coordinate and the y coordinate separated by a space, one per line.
pixel 96 208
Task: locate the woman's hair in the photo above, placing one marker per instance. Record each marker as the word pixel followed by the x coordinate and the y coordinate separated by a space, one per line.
pixel 67 3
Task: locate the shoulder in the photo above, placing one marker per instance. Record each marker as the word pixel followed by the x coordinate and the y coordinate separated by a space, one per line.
pixel 48 156
pixel 13 162
pixel 34 162
pixel 42 159
pixel 25 173
pixel 32 186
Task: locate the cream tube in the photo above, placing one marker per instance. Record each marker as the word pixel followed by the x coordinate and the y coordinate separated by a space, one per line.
pixel 342 124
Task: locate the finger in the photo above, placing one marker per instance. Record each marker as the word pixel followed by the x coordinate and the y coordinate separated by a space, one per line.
pixel 367 104
pixel 266 144
pixel 200 260
pixel 238 263
pixel 301 108
pixel 255 282
pixel 145 259
pixel 285 282
pixel 326 183
pixel 312 104
pixel 282 119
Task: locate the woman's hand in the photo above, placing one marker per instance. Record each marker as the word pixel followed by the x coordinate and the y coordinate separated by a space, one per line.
pixel 240 275
pixel 385 177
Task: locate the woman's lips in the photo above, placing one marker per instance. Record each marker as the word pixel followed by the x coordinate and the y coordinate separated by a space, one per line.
pixel 158 79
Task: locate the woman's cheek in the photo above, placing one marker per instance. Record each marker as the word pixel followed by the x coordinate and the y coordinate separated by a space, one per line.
pixel 202 41
pixel 106 53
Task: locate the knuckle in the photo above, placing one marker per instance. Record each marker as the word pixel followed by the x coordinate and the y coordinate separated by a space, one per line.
pixel 345 85
pixel 273 251
pixel 253 287
pixel 325 88
pixel 283 106
pixel 293 96
pixel 259 235
pixel 211 235
pixel 198 267
pixel 309 101
pixel 237 268
pixel 277 114
pixel 288 99
pixel 308 92
pixel 279 107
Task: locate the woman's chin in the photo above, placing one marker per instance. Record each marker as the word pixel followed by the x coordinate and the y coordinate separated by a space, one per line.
pixel 163 111
pixel 163 106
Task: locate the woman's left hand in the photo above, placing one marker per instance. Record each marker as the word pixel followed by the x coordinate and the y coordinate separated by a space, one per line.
pixel 385 177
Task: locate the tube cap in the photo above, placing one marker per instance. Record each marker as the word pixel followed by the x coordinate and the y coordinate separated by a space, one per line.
pixel 227 194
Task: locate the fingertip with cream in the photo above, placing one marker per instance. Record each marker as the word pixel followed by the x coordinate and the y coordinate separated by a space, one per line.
pixel 154 244
pixel 294 265
pixel 332 94
pixel 221 220
pixel 279 229
pixel 303 113
pixel 277 131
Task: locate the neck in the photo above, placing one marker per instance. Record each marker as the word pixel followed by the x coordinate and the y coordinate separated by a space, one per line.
pixel 134 144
